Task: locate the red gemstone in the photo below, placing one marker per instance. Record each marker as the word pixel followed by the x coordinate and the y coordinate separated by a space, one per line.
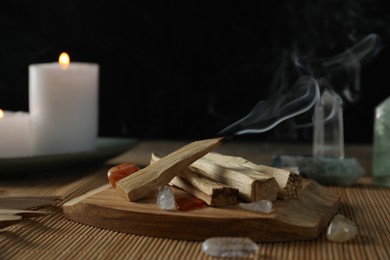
pixel 120 171
pixel 190 203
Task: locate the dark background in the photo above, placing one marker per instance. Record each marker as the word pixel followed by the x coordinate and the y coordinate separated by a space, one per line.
pixel 189 69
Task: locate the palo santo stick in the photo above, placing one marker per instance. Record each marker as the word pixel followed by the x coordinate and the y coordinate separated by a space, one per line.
pixel 149 179
pixel 263 187
pixel 8 220
pixel 24 213
pixel 290 183
pixel 27 202
pixel 215 194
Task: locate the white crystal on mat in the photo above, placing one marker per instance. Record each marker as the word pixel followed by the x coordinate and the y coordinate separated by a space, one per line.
pixel 229 246
pixel 341 229
pixel 263 206
pixel 166 198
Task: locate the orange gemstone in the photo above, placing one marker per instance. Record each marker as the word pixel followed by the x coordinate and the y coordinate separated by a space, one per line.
pixel 120 171
pixel 184 204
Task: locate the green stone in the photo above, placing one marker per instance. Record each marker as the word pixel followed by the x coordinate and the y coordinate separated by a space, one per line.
pixel 381 147
pixel 326 171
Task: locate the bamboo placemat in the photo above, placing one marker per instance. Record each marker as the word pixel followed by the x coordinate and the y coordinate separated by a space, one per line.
pixel 54 237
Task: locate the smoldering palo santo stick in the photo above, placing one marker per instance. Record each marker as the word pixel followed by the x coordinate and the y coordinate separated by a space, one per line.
pixel 147 180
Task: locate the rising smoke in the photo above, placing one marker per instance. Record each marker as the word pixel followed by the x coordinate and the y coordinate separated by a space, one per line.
pixel 329 41
pixel 319 74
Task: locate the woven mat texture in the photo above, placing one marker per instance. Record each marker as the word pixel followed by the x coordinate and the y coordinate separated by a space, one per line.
pixel 55 237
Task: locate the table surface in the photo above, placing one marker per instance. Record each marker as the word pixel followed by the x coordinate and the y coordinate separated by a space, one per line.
pixel 55 237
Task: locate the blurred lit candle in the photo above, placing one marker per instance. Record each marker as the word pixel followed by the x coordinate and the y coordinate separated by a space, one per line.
pixel 14 134
pixel 63 101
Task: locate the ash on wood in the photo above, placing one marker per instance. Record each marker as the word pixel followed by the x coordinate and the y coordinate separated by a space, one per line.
pixel 290 184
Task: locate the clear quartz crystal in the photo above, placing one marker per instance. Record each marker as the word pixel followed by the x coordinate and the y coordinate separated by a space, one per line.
pixel 328 139
pixel 166 198
pixel 229 246
pixel 263 206
pixel 341 229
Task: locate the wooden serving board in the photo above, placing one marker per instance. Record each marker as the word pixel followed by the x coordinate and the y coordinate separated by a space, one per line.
pixel 303 218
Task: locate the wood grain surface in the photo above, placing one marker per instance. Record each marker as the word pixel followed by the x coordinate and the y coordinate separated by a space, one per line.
pixel 299 219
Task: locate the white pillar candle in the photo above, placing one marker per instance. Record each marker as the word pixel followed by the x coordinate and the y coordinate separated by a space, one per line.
pixel 63 101
pixel 14 134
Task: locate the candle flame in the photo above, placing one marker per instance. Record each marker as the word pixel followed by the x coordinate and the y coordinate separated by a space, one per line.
pixel 64 60
pixel 1 113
